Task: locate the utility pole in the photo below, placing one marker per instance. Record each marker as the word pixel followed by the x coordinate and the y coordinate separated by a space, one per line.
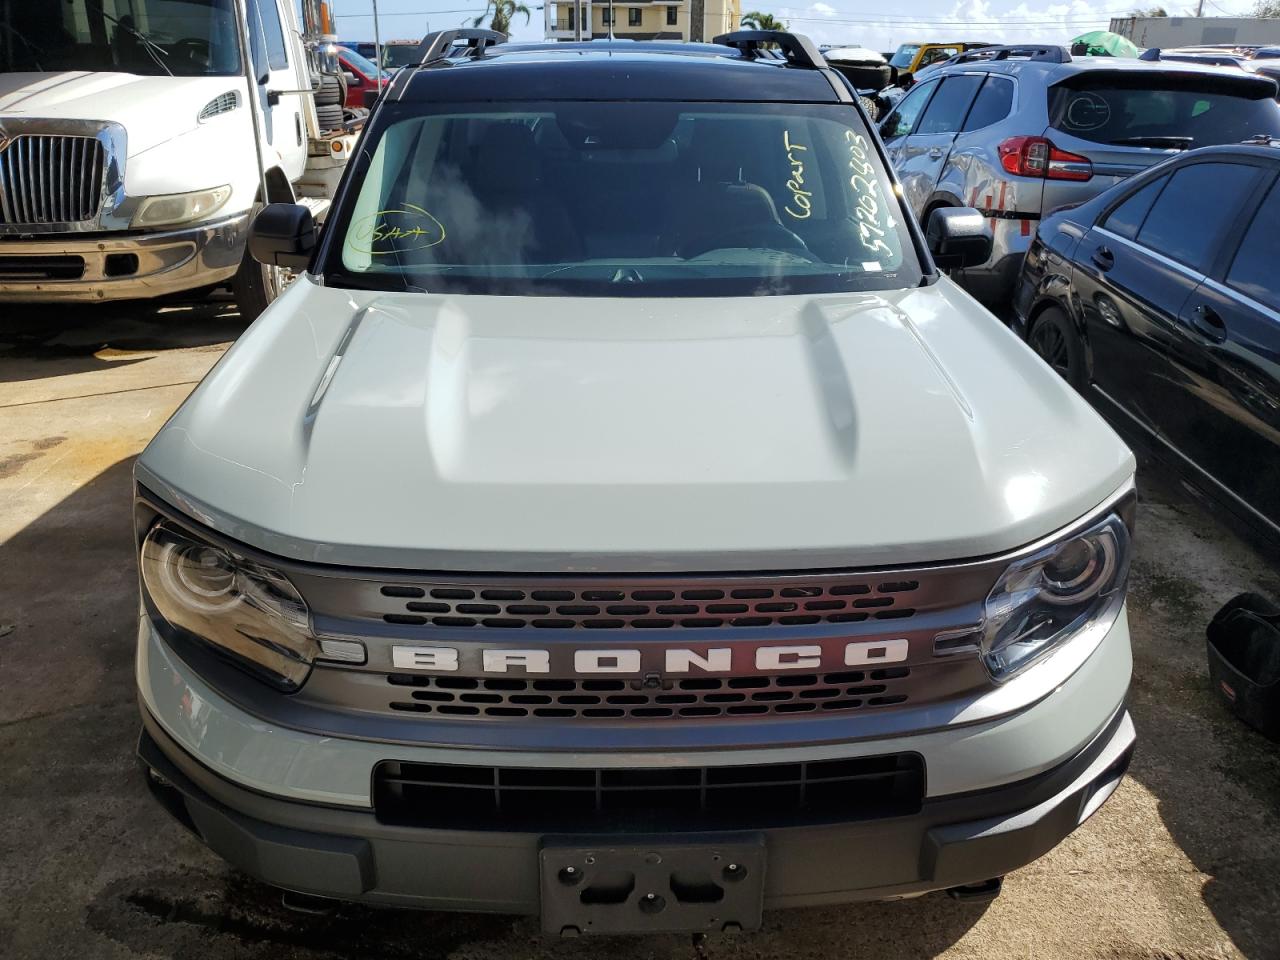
pixel 377 44
pixel 697 15
pixel 1200 9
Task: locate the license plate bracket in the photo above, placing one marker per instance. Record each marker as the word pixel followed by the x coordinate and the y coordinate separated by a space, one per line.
pixel 652 887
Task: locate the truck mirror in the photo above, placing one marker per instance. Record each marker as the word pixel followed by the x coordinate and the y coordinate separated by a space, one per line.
pixel 371 97
pixel 958 237
pixel 353 80
pixel 283 235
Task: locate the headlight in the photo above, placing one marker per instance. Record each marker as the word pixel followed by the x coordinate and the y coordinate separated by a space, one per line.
pixel 1043 600
pixel 180 207
pixel 241 607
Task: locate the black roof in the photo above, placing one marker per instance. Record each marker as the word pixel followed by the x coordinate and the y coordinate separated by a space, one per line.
pixel 614 70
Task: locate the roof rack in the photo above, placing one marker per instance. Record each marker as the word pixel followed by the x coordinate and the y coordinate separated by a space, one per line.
pixel 439 45
pixel 797 49
pixel 1037 54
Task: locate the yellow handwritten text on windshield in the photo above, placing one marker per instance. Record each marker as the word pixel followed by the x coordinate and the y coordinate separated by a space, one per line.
pixel 870 214
pixel 801 198
pixel 390 232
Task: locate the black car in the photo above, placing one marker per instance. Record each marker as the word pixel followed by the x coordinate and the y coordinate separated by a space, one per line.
pixel 1160 301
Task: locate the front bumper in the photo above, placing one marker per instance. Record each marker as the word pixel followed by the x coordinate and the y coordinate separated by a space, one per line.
pixel 296 809
pixel 954 841
pixel 86 268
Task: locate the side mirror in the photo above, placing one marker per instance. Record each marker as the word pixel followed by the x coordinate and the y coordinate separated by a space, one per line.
pixel 958 237
pixel 283 235
pixel 352 79
pixel 371 97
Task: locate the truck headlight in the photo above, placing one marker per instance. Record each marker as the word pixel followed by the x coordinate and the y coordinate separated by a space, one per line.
pixel 174 208
pixel 1044 600
pixel 241 607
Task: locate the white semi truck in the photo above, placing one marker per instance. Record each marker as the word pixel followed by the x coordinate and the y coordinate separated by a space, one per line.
pixel 137 137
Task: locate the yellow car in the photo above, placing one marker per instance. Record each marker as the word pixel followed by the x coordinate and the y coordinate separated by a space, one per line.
pixel 913 57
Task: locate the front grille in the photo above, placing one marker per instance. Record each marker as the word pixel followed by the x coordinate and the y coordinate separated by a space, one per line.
pixel 634 800
pixel 618 699
pixel 760 603
pixel 50 179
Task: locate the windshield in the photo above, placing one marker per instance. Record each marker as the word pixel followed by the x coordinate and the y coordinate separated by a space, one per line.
pixel 622 199
pixel 906 53
pixel 1160 111
pixel 363 64
pixel 398 54
pixel 184 38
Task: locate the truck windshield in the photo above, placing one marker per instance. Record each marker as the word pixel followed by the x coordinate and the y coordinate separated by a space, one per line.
pixel 622 199
pixel 184 38
pixel 905 55
pixel 396 55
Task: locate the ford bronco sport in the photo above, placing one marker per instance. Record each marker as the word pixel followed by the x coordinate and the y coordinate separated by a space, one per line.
pixel 619 520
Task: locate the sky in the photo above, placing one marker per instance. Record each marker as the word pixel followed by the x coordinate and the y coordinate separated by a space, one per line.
pixel 826 21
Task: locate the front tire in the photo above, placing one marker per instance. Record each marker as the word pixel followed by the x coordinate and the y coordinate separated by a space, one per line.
pixel 254 287
pixel 1053 336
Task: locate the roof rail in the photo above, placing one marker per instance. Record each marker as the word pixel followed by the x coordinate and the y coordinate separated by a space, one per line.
pixel 1039 54
pixel 437 46
pixel 797 49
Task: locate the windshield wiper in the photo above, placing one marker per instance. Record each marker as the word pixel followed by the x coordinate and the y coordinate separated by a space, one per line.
pixel 148 44
pixel 1173 143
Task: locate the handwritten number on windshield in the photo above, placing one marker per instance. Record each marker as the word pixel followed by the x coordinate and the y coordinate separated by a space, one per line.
pixel 869 212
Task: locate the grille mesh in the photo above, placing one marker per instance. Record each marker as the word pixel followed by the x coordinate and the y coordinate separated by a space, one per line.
pixel 648 607
pixel 50 179
pixel 617 699
pixel 735 797
pixel 223 103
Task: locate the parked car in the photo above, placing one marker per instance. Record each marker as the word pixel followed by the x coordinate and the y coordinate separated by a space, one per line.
pixel 398 53
pixel 366 48
pixel 865 69
pixel 361 76
pixel 1264 61
pixel 1160 300
pixel 1020 131
pixel 621 520
pixel 914 57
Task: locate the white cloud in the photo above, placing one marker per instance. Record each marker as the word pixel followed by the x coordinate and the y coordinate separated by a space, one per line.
pixel 823 9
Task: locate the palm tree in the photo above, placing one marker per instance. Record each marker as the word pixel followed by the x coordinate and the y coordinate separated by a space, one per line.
pixel 503 13
pixel 762 21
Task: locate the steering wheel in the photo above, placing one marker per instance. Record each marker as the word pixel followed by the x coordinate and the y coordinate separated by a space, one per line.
pixel 766 236
pixel 195 49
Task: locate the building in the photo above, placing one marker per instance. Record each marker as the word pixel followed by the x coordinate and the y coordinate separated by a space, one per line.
pixel 644 20
pixel 1168 32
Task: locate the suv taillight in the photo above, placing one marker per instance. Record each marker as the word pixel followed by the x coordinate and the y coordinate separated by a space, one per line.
pixel 1038 157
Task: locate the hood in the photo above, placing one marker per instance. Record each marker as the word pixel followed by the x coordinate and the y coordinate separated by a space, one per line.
pixel 473 433
pixel 152 110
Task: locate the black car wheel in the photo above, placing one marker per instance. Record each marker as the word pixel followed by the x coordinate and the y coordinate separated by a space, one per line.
pixel 1054 338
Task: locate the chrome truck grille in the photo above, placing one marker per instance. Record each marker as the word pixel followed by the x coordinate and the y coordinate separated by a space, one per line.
pixel 596 649
pixel 48 179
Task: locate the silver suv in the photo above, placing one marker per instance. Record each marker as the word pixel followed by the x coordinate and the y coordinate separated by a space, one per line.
pixel 1019 131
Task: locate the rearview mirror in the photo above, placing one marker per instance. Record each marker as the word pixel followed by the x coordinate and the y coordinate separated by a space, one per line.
pixel 958 237
pixel 283 235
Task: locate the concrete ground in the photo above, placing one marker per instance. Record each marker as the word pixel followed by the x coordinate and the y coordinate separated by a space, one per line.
pixel 1182 864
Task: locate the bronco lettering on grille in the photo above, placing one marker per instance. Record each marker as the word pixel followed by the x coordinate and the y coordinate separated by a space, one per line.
pixel 667 660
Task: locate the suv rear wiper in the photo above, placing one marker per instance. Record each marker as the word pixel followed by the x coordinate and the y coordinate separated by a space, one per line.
pixel 1175 143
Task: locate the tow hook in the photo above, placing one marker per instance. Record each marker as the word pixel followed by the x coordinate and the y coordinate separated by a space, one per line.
pixel 983 892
